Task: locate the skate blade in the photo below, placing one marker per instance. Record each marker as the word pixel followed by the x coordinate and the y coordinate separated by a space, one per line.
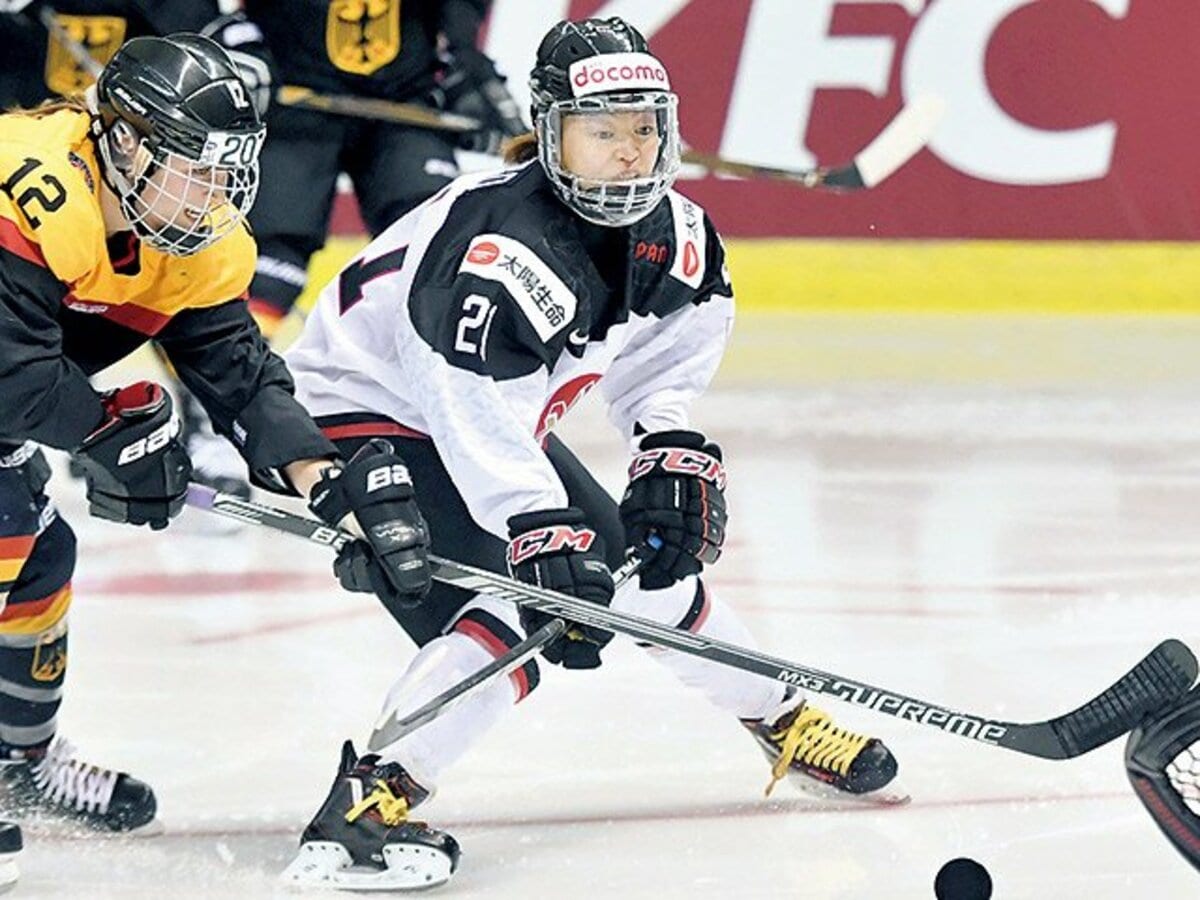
pixel 891 794
pixel 327 864
pixel 8 871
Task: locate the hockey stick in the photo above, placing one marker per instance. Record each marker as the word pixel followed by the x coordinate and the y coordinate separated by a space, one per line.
pixel 899 142
pixel 393 111
pixel 1163 675
pixel 392 728
pixel 77 51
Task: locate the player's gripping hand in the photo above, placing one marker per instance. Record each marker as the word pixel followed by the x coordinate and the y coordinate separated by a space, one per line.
pixel 556 550
pixel 472 87
pixel 371 496
pixel 676 491
pixel 136 469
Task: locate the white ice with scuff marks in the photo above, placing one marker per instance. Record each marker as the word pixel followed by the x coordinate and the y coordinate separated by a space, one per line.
pixel 1010 553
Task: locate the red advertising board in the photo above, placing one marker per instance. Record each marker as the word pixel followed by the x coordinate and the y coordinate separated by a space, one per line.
pixel 1064 118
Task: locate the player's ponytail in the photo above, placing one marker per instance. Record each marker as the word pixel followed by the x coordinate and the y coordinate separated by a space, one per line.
pixel 46 107
pixel 520 149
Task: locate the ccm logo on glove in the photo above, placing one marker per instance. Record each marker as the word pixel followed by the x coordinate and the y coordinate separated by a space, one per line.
pixel 549 540
pixel 675 461
pixel 386 476
pixel 151 443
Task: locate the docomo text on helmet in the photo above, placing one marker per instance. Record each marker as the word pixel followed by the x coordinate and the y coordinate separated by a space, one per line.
pixel 617 72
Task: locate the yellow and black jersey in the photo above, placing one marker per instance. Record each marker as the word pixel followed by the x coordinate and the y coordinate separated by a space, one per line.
pixel 38 66
pixel 74 300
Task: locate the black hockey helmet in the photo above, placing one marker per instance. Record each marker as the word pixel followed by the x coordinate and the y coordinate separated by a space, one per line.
pixel 568 42
pixel 602 66
pixel 179 138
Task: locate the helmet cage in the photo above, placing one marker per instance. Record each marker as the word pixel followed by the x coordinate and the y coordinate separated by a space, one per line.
pixel 178 139
pixel 604 202
pixel 174 203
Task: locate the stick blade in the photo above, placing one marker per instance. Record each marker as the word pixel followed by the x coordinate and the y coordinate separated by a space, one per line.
pixel 901 140
pixel 1166 674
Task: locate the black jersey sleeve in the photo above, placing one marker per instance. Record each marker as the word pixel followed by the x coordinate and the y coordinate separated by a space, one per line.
pixel 168 16
pixel 461 20
pixel 44 396
pixel 245 387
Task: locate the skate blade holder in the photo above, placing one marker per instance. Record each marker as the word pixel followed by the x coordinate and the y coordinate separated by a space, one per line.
pixel 891 794
pixel 328 864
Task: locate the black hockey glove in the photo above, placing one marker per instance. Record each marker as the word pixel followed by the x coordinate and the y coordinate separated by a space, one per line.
pixel 135 467
pixel 677 492
pixel 554 549
pixel 473 88
pixel 372 497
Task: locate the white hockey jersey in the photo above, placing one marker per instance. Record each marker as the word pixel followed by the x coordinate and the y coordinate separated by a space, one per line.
pixel 484 314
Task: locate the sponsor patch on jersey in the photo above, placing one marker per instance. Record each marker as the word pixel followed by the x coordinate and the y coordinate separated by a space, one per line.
pixel 617 72
pixel 690 240
pixel 651 252
pixel 547 303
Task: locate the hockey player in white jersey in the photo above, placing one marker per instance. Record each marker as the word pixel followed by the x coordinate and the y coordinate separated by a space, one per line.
pixel 462 335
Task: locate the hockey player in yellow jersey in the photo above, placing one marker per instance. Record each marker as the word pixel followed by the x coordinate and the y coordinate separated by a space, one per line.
pixel 122 219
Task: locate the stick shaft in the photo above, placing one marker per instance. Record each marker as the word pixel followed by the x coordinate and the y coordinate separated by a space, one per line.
pixel 394 729
pixel 1166 673
pixel 903 137
pixel 77 51
pixel 394 111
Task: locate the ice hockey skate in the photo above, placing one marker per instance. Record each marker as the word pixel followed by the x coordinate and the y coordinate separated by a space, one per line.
pixel 822 760
pixel 49 786
pixel 362 839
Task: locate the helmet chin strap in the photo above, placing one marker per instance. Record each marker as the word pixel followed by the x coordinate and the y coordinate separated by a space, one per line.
pixel 119 168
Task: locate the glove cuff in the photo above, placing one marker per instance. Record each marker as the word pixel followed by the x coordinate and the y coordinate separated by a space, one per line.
pixel 687 440
pixel 543 518
pixel 327 500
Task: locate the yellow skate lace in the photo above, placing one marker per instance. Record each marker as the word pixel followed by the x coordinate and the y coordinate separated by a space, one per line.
pixel 813 739
pixel 393 809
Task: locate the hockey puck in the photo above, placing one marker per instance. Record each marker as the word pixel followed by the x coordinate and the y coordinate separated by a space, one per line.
pixel 962 879
pixel 10 837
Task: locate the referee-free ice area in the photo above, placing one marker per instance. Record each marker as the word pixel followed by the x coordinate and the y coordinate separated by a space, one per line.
pixel 1007 546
